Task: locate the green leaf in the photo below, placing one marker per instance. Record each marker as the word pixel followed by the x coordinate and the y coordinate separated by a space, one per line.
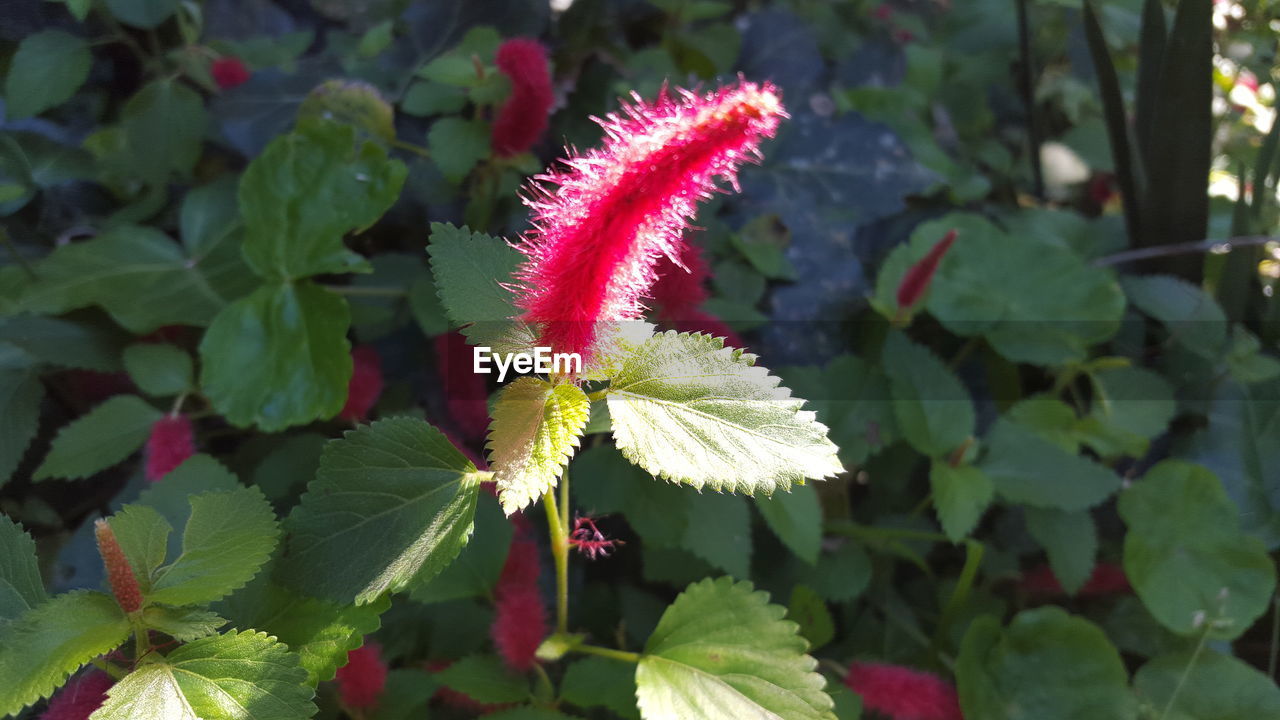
pixel 961 495
pixel 485 679
pixel 20 585
pixel 392 505
pixel 852 398
pixel 278 357
pixel 99 439
pixel 808 610
pixel 140 276
pixel 690 410
pixel 182 624
pixel 45 72
pixel 1071 540
pixel 164 126
pixel 228 538
pixel 1016 461
pixel 305 191
pixel 796 518
pixel 1033 301
pixel 601 682
pixel 45 645
pixel 320 632
pixel 1047 665
pixel 64 343
pixel 1208 686
pixel 1131 406
pixel 237 676
pixel 350 102
pixel 1185 554
pixel 143 535
pixel 933 408
pixel 719 531
pixel 456 145
pixel 475 572
pixel 209 215
pixel 528 712
pixel 606 483
pixel 472 271
pixel 170 496
pixel 20 395
pixel 405 695
pixel 841 574
pixel 142 13
pixel 158 370
pixel 536 426
pixel 425 305
pixel 1192 317
pixel 432 98
pixel 722 651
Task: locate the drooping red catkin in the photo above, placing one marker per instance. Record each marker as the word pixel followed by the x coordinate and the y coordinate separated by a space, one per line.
pixel 361 680
pixel 600 226
pixel 918 276
pixel 229 72
pixel 1106 579
pixel 523 117
pixel 902 693
pixel 466 394
pixel 79 698
pixel 365 385
pixel 520 615
pixel 171 442
pixel 124 584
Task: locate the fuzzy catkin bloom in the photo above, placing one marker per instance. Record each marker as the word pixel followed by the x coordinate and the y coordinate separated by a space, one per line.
pixel 523 117
pixel 365 385
pixel 229 72
pixel 520 615
pixel 600 227
pixel 679 289
pixel 124 584
pixel 917 278
pixel 171 442
pixel 466 394
pixel 902 693
pixel 79 698
pixel 361 680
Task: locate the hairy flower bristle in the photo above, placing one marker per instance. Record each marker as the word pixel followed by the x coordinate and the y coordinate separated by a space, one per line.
pixel 365 385
pixel 79 698
pixel 523 117
pixel 124 584
pixel 903 693
pixel 680 288
pixel 171 442
pixel 361 680
pixel 520 615
pixel 600 227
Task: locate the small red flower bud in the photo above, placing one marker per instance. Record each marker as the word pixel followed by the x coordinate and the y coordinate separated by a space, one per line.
pixel 171 442
pixel 902 693
pixel 361 680
pixel 589 540
pixel 124 584
pixel 229 72
pixel 365 385
pixel 523 117
pixel 882 12
pixel 79 698
pixel 917 278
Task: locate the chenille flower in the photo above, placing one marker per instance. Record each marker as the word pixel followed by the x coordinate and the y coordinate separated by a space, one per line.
pixel 361 680
pixel 79 698
pixel 680 288
pixel 170 443
pixel 365 385
pixel 466 394
pixel 229 72
pixel 120 577
pixel 520 615
pixel 902 693
pixel 523 117
pixel 917 278
pixel 601 225
pixel 589 541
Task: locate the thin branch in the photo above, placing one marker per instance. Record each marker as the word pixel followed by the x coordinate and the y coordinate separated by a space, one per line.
pixel 1029 97
pixel 1200 246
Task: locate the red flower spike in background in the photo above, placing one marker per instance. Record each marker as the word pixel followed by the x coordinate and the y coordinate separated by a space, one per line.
pixel 523 117
pixel 229 72
pixel 79 698
pixel 365 385
pixel 601 226
pixel 466 394
pixel 902 693
pixel 679 289
pixel 124 584
pixel 361 680
pixel 917 278
pixel 1106 579
pixel 171 442
pixel 520 615
pixel 589 540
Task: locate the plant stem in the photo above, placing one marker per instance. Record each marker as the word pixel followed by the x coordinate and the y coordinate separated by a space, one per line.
pixel 1186 672
pixel 1029 97
pixel 367 291
pixel 972 560
pixel 622 655
pixel 115 671
pixel 416 149
pixel 560 553
pixel 1199 246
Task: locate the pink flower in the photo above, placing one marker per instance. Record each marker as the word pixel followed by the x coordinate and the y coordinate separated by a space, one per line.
pixel 523 117
pixel 520 615
pixel 361 680
pixel 229 72
pixel 589 540
pixel 902 693
pixel 365 385
pixel 917 278
pixel 1106 579
pixel 600 226
pixel 79 698
pixel 124 584
pixel 679 289
pixel 466 394
pixel 171 442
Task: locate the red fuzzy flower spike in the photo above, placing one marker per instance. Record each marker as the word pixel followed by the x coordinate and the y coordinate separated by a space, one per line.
pixel 601 226
pixel 124 584
pixel 1106 579
pixel 79 698
pixel 171 442
pixel 466 394
pixel 589 540
pixel 365 385
pixel 520 615
pixel 902 693
pixel 918 276
pixel 229 72
pixel 523 117
pixel 679 290
pixel 361 680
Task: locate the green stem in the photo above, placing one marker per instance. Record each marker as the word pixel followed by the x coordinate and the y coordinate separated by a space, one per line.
pixel 416 149
pixel 972 560
pixel 115 671
pixel 868 532
pixel 560 553
pixel 1186 672
pixel 622 655
pixel 598 395
pixel 367 291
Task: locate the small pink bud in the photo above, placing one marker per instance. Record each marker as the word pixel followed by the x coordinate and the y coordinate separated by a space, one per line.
pixel 229 72
pixel 365 385
pixel 361 680
pixel 124 584
pixel 917 278
pixel 902 693
pixel 171 442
